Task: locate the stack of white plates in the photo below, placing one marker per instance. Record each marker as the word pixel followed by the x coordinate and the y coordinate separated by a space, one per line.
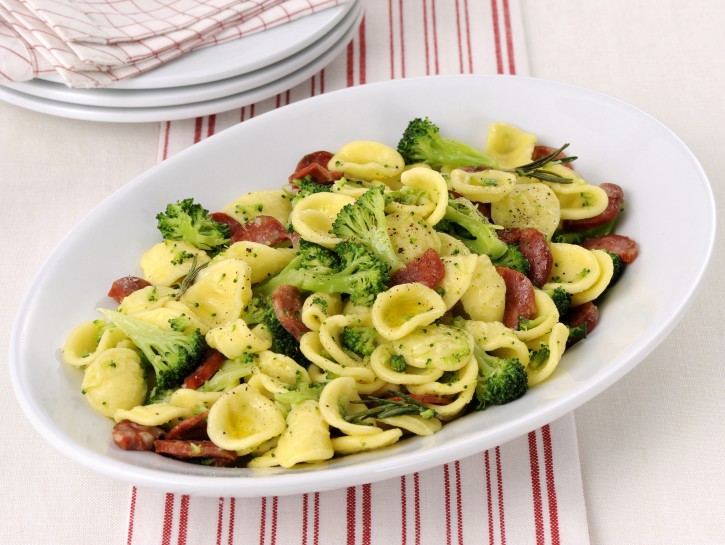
pixel 210 80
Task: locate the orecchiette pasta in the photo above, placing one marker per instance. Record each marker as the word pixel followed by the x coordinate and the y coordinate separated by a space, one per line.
pixel 362 327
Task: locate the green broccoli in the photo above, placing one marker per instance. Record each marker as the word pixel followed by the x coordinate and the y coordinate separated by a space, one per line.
pixel 619 268
pixel 350 270
pixel 359 340
pixel 465 222
pixel 561 298
pixel 301 392
pixel 422 143
pixel 307 186
pixel 230 374
pixel 500 380
pixel 172 354
pixel 364 222
pixel 576 334
pixel 188 221
pixel 513 259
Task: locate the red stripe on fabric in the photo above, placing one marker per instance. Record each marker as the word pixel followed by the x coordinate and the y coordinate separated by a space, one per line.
pixel 403 513
pixel 305 501
pixel 198 123
pixel 232 506
pixel 168 519
pixel 366 513
pixel 509 37
pixel 273 531
pixel 496 37
pixel 350 64
pixel 219 520
pixel 131 515
pixel 426 47
pixel 468 37
pixel 536 489
pixel 459 501
pixel 165 148
pixel 489 499
pixel 183 519
pixel 458 37
pixel 551 486
pixel 499 481
pixel 322 81
pixel 362 53
pixel 211 128
pixel 447 492
pixel 351 515
pixel 435 37
pixel 401 26
pixel 416 489
pixel 391 39
pixel 316 527
pixel 263 521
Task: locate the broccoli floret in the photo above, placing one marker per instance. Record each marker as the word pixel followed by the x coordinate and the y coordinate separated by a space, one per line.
pixel 576 334
pixel 172 354
pixel 619 268
pixel 364 222
pixel 422 143
pixel 561 298
pixel 359 340
pixel 301 392
pixel 188 221
pixel 500 380
pixel 350 270
pixel 230 374
pixel 307 186
pixel 538 357
pixel 513 259
pixel 465 222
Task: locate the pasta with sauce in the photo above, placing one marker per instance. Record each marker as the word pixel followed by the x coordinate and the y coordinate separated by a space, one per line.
pixel 372 299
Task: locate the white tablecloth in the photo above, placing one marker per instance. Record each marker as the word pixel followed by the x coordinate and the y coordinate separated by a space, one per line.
pixel 650 447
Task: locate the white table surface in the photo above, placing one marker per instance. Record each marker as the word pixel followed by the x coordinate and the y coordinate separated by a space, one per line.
pixel 652 447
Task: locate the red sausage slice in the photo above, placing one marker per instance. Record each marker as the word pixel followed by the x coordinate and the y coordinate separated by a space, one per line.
pixel 586 313
pixel 265 230
pixel 428 270
pixel 287 304
pixel 520 302
pixel 131 436
pixel 123 287
pixel 227 220
pixel 193 427
pixel 533 245
pixel 314 165
pixel 211 364
pixel 195 449
pixel 626 248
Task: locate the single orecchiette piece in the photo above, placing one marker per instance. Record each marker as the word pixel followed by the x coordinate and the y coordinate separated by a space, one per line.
pixel 555 342
pixel 366 160
pixel 306 438
pixel 167 262
pixel 393 368
pixel 274 202
pixel 575 268
pixel 88 340
pixel 350 444
pixel 528 205
pixel 434 192
pixel 459 273
pixel 606 272
pixel 318 307
pixel 485 299
pixel 263 260
pixel 314 215
pixel 435 346
pixel 235 339
pixel 220 292
pixel 509 146
pixel 484 185
pixel 242 418
pixel 147 298
pixel 403 308
pixel 155 414
pixel 546 316
pixel 339 398
pixel 411 235
pixel 114 380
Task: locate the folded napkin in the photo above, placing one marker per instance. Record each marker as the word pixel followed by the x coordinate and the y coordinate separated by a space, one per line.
pixel 96 44
pixel 527 491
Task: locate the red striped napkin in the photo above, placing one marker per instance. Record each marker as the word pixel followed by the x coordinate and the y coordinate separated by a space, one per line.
pixel 527 491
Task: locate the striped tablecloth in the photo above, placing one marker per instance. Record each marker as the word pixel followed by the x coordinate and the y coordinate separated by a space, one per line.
pixel 528 491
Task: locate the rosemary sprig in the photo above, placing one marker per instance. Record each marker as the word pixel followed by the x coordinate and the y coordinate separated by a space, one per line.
pixel 189 278
pixel 386 407
pixel 534 170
